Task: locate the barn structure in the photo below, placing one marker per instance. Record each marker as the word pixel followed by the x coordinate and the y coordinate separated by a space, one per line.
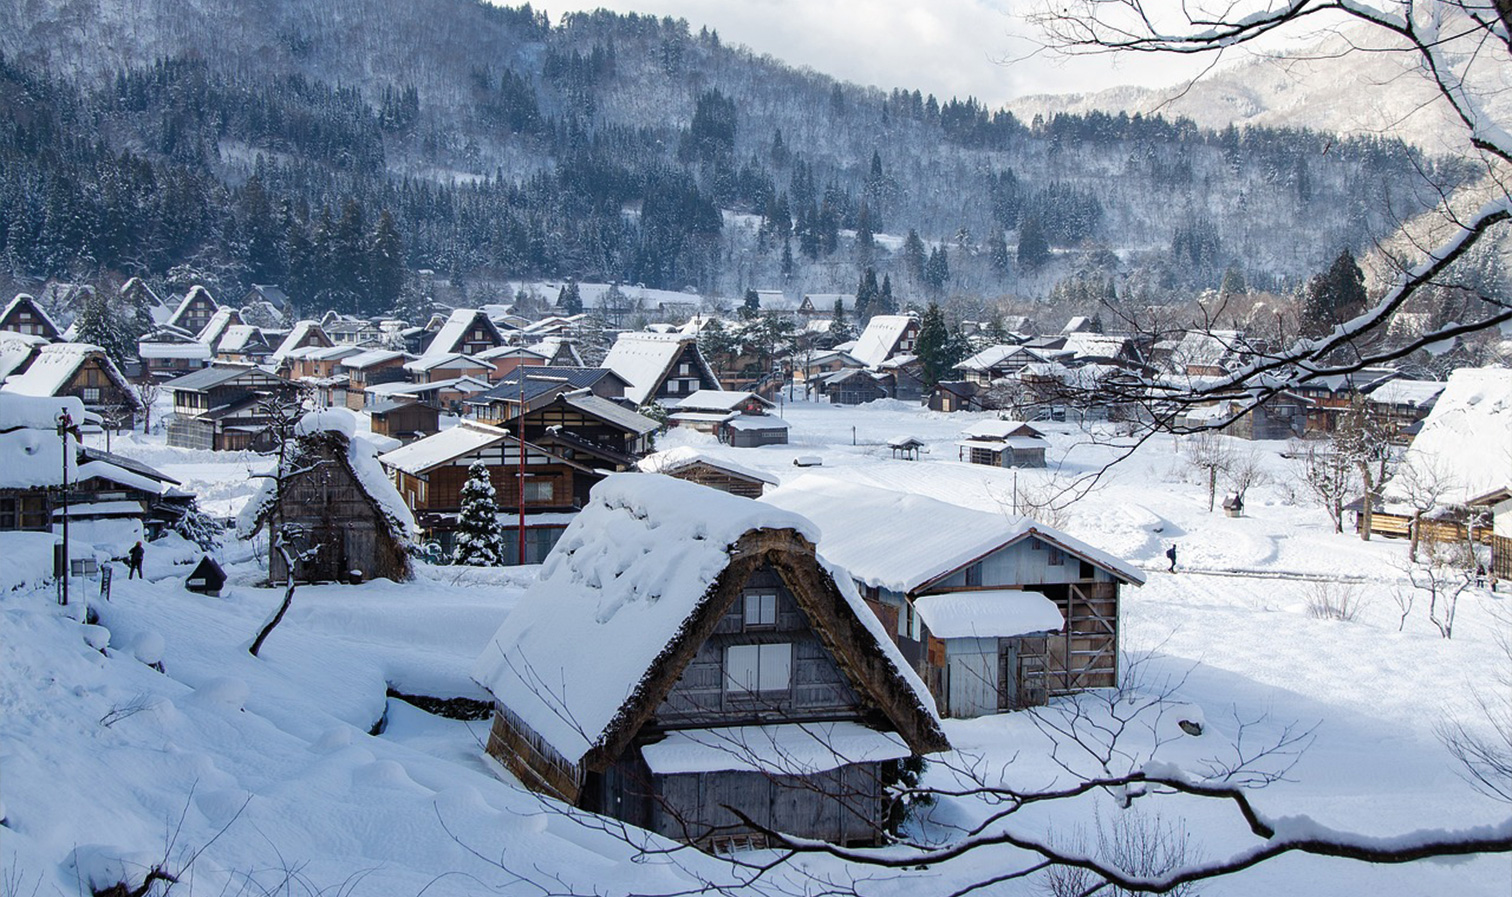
pixel 685 652
pixel 995 613
pixel 332 507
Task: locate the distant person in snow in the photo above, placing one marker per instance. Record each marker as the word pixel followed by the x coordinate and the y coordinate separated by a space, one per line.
pixel 1171 553
pixel 134 561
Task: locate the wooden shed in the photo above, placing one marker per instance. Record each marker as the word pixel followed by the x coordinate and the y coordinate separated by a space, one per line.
pixel 686 654
pixel 207 577
pixel 995 613
pixel 688 463
pixel 333 508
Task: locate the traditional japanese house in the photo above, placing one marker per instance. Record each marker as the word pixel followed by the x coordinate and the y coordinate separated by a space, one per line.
pixel 684 656
pixel 854 386
pixel 82 371
pixel 659 366
pixel 741 419
pixel 956 395
pixel 1498 503
pixel 167 352
pixel 999 361
pixel 243 344
pixel 194 311
pixel 405 419
pixel 504 359
pixel 467 331
pixel 273 296
pixel 332 508
pixel 688 463
pixel 1003 443
pixel 448 366
pixel 221 320
pixel 558 472
pixel 23 314
pixel 447 395
pixel 104 477
pixel 37 458
pixel 558 351
pixel 539 385
pixel 304 335
pixel 371 368
pixel 996 613
pixel 218 408
pixel 884 337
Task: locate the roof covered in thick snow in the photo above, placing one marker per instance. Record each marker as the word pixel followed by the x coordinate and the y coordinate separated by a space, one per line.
pixel 643 360
pixel 1466 442
pixel 55 366
pixel 29 440
pixel 900 542
pixel 880 338
pixel 991 613
pixel 620 588
pixel 683 456
pixel 296 338
pixel 455 328
pixel 719 400
pixel 439 448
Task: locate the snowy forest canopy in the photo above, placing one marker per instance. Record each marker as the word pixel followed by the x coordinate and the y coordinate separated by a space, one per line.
pixel 615 148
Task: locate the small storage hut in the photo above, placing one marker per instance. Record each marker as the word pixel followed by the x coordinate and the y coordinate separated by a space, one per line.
pixel 341 518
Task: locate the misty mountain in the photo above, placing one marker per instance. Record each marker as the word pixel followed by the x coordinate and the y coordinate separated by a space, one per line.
pixel 332 146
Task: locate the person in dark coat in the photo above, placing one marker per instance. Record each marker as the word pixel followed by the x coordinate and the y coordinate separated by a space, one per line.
pixel 134 561
pixel 1171 553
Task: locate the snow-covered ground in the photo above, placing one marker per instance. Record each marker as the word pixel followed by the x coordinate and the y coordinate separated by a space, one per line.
pixel 260 774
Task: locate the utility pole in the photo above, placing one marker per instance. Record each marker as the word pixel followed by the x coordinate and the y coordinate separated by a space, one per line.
pixel 65 427
pixel 520 417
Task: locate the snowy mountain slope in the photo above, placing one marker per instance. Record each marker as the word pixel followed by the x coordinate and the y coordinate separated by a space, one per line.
pixel 1330 86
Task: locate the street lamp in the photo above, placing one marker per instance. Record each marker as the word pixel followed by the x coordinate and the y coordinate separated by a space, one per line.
pixel 65 427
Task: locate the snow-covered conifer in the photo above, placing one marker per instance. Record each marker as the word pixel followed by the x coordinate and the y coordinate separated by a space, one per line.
pixel 480 542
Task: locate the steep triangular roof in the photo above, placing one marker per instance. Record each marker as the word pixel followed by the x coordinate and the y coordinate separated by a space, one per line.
pixel 637 584
pixel 645 359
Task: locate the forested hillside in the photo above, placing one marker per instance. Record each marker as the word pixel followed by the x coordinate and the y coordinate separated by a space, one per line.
pixel 333 147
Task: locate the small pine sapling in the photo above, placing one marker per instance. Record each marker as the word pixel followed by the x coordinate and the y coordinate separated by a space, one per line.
pixel 480 542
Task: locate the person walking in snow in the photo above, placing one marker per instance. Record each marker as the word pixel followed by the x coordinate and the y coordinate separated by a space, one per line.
pixel 134 561
pixel 1171 553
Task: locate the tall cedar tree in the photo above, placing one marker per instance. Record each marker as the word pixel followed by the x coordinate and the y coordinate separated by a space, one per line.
pixel 1336 295
pixel 935 347
pixel 480 541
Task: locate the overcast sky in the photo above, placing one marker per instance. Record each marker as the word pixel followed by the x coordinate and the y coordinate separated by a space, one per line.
pixel 959 48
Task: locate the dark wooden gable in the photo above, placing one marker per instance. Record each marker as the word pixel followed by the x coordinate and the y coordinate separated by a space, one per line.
pixel 689 371
pixel 25 316
pixel 819 689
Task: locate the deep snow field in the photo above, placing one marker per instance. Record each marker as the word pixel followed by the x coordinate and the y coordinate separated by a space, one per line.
pixel 259 775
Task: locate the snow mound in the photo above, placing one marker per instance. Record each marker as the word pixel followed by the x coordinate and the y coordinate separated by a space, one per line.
pixel 338 420
pixel 101 866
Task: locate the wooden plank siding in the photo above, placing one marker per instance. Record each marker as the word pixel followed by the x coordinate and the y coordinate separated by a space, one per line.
pixel 820 690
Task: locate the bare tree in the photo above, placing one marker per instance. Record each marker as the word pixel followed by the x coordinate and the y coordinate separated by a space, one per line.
pixel 281 412
pixel 1246 471
pixel 1422 483
pixel 1329 475
pixel 1363 437
pixel 1210 453
pixel 1444 572
pixel 148 392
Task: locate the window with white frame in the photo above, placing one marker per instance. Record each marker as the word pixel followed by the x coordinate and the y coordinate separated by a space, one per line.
pixel 758 669
pixel 91 395
pixel 539 490
pixel 760 608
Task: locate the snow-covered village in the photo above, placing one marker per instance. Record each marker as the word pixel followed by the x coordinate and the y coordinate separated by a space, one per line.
pixel 607 460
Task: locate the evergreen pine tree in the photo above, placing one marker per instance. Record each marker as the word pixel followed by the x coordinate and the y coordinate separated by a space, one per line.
pixel 1336 295
pixel 934 346
pixel 750 305
pixel 1033 246
pixel 385 265
pixel 480 541
pixel 99 325
pixel 571 299
pixel 913 254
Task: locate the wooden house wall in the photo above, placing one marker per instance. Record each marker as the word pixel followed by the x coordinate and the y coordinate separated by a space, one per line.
pixel 1025 563
pixel 842 806
pixel 819 689
pixel 722 480
pixel 417 418
pixel 677 384
pixel 92 375
pixel 26 317
pixel 335 514
pixel 1085 653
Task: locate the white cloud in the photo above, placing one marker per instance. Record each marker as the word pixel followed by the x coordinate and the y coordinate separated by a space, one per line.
pixel 980 48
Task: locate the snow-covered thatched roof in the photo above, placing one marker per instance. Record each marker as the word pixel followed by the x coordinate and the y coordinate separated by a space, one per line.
pixel 55 366
pixel 643 360
pixel 880 339
pixel 578 655
pixel 1466 442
